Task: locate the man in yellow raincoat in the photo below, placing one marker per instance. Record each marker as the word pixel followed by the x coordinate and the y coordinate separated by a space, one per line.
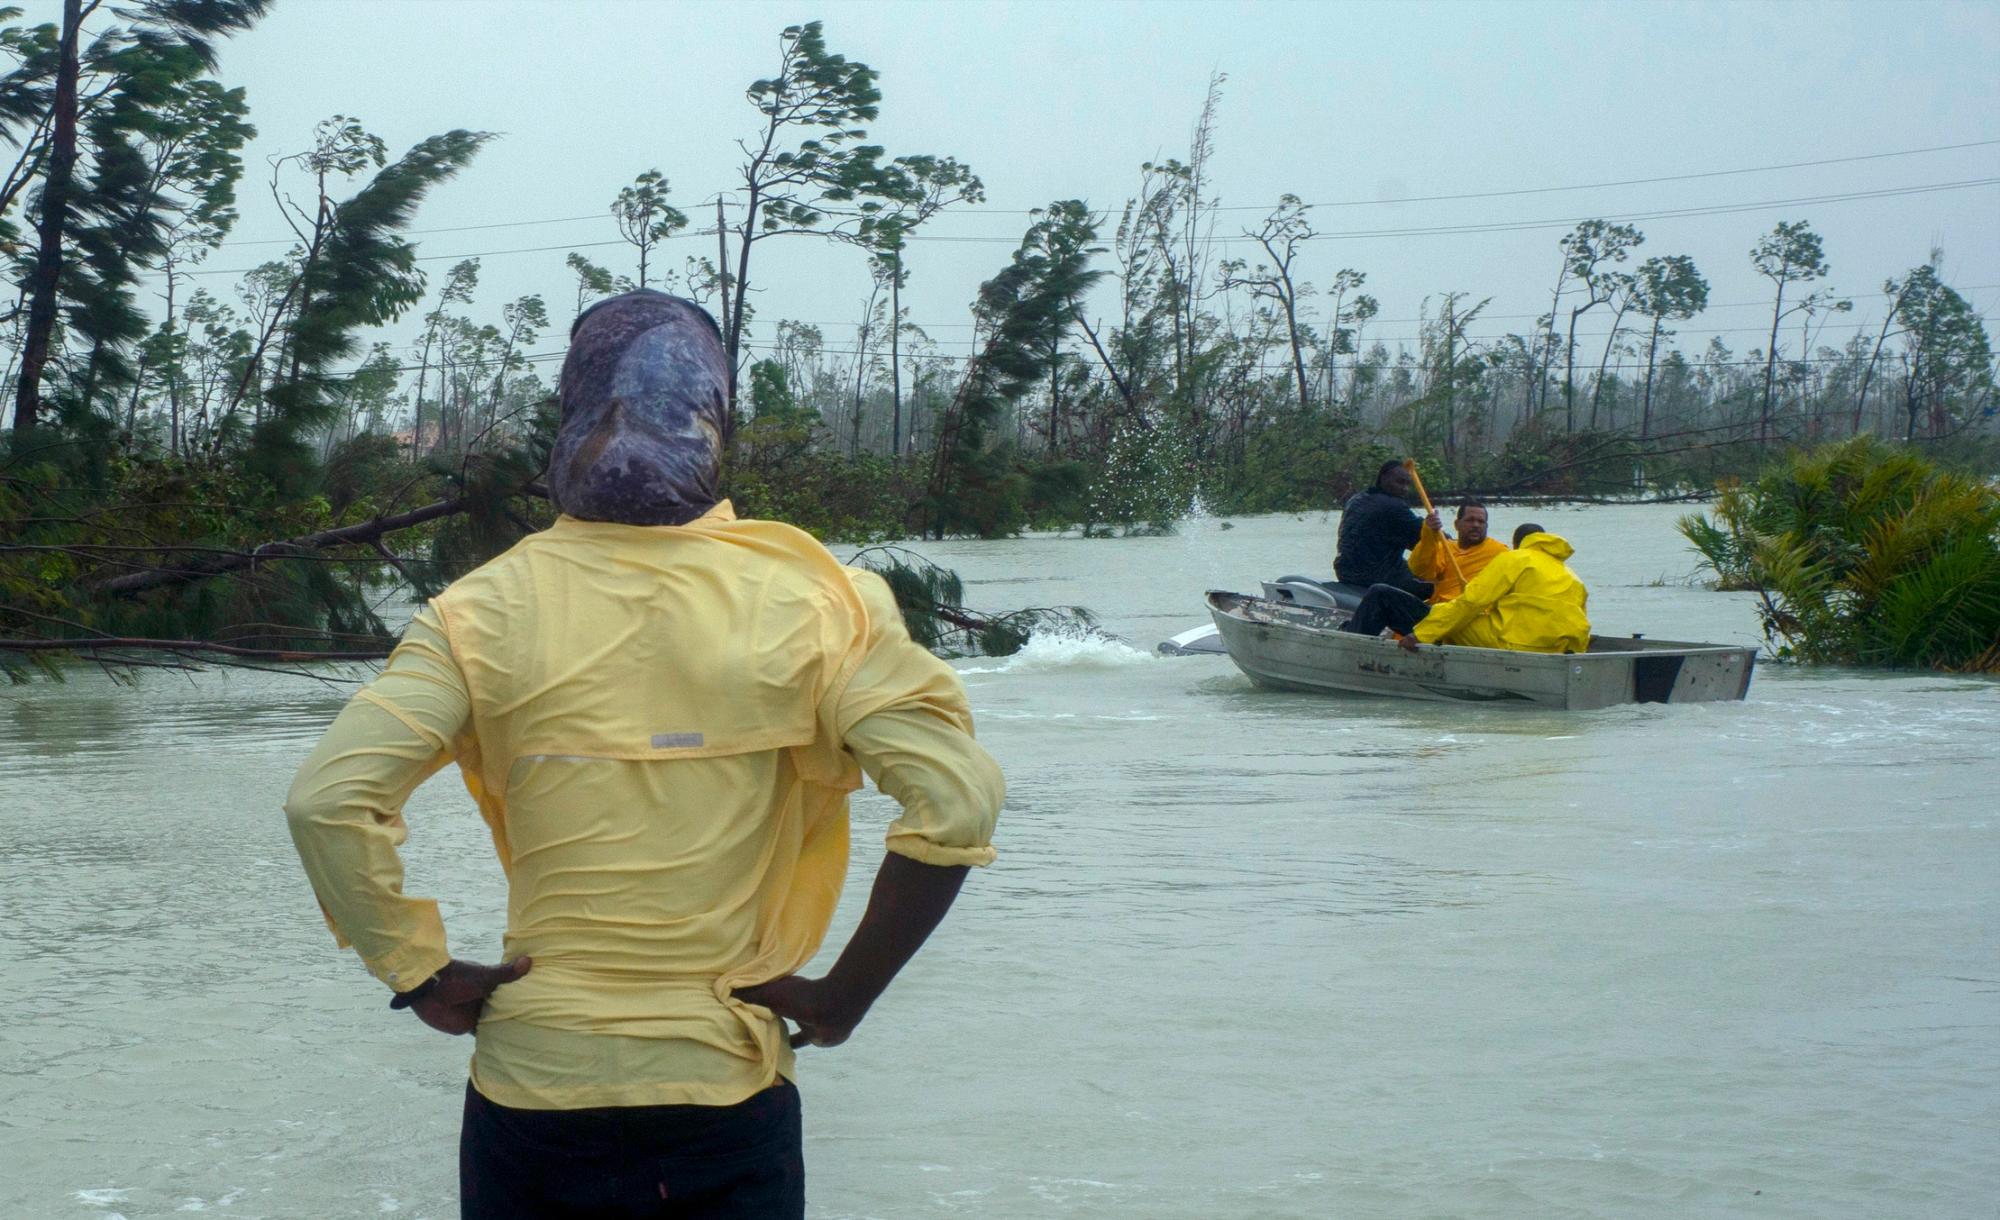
pixel 1526 600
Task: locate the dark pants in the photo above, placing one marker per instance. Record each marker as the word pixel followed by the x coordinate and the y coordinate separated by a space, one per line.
pixel 1386 606
pixel 1398 576
pixel 740 1162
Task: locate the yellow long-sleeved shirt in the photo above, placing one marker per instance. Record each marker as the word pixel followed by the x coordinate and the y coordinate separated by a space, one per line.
pixel 1432 560
pixel 660 726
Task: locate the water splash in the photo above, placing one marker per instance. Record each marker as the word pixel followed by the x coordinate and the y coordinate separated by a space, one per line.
pixel 1067 652
pixel 1197 517
pixel 1147 480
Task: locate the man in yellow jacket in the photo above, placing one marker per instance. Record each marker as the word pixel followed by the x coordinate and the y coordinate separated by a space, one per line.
pixel 1445 563
pixel 659 710
pixel 1526 600
pixel 1449 563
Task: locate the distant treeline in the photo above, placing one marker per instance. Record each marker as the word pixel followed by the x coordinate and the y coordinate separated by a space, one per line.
pixel 260 463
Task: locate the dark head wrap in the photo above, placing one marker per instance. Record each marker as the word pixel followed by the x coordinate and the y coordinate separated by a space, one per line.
pixel 645 399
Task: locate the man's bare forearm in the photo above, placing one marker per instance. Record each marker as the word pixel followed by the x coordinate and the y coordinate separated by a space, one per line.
pixel 908 902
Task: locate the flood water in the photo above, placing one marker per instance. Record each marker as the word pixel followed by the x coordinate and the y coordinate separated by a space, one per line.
pixel 1244 953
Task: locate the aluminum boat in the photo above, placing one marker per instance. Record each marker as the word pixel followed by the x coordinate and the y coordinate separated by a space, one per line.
pixel 1287 643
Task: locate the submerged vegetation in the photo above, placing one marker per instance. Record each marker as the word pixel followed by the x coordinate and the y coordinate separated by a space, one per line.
pixel 255 474
pixel 932 600
pixel 1864 554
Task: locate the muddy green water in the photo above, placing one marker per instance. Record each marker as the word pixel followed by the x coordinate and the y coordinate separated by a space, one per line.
pixel 1245 954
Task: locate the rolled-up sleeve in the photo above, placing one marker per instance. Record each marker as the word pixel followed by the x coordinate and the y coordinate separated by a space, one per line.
pixel 345 808
pixel 904 714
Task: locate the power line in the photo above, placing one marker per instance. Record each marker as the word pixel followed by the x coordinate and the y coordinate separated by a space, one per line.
pixel 1262 366
pixel 1587 186
pixel 1336 203
pixel 1555 222
pixel 1352 235
pixel 1285 366
pixel 503 224
pixel 1634 331
pixel 438 258
pixel 1506 317
pixel 1668 214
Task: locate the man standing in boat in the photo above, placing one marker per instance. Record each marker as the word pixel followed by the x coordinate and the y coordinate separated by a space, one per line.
pixel 659 710
pixel 1376 527
pixel 1447 563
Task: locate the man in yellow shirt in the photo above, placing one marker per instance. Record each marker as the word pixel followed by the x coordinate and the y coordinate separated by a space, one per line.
pixel 1446 563
pixel 659 711
pixel 1526 600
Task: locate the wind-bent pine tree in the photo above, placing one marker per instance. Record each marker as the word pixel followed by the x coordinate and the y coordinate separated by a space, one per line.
pixel 806 167
pixel 1790 253
pixel 360 272
pixel 1666 289
pixel 1587 249
pixel 1021 312
pixel 933 184
pixel 645 218
pixel 1281 235
pixel 88 148
pixel 1947 357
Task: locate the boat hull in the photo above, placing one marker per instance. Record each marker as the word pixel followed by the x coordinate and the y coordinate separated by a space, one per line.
pixel 1299 648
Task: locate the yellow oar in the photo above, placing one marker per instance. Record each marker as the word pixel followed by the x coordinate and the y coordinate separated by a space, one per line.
pixel 1410 464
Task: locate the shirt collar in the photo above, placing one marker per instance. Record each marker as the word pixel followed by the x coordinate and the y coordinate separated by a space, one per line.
pixel 720 513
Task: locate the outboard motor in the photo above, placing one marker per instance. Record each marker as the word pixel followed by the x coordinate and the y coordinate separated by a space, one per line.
pixel 1314 594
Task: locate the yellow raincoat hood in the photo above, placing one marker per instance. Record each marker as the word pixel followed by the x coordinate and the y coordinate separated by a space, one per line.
pixel 1549 544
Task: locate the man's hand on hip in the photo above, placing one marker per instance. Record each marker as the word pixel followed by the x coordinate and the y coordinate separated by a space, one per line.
pixel 451 1000
pixel 907 902
pixel 824 1017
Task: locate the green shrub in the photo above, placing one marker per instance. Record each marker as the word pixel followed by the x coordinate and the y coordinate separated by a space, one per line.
pixel 1864 554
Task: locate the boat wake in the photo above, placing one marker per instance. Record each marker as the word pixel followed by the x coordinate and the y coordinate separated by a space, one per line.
pixel 1058 652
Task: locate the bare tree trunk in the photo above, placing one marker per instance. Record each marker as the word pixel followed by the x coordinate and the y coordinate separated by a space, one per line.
pixel 896 356
pixel 423 375
pixel 173 372
pixel 722 283
pixel 1124 391
pixel 1055 394
pixel 132 405
pixel 1298 356
pixel 861 366
pixel 1569 371
pixel 47 275
pixel 1646 412
pixel 1604 362
pixel 1868 374
pixel 1771 367
pixel 745 239
pixel 1541 390
pixel 1450 407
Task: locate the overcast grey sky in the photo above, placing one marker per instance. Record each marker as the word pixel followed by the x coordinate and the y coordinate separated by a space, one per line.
pixel 1349 106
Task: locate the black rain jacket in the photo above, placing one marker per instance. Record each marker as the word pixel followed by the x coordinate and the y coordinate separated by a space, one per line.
pixel 1375 529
